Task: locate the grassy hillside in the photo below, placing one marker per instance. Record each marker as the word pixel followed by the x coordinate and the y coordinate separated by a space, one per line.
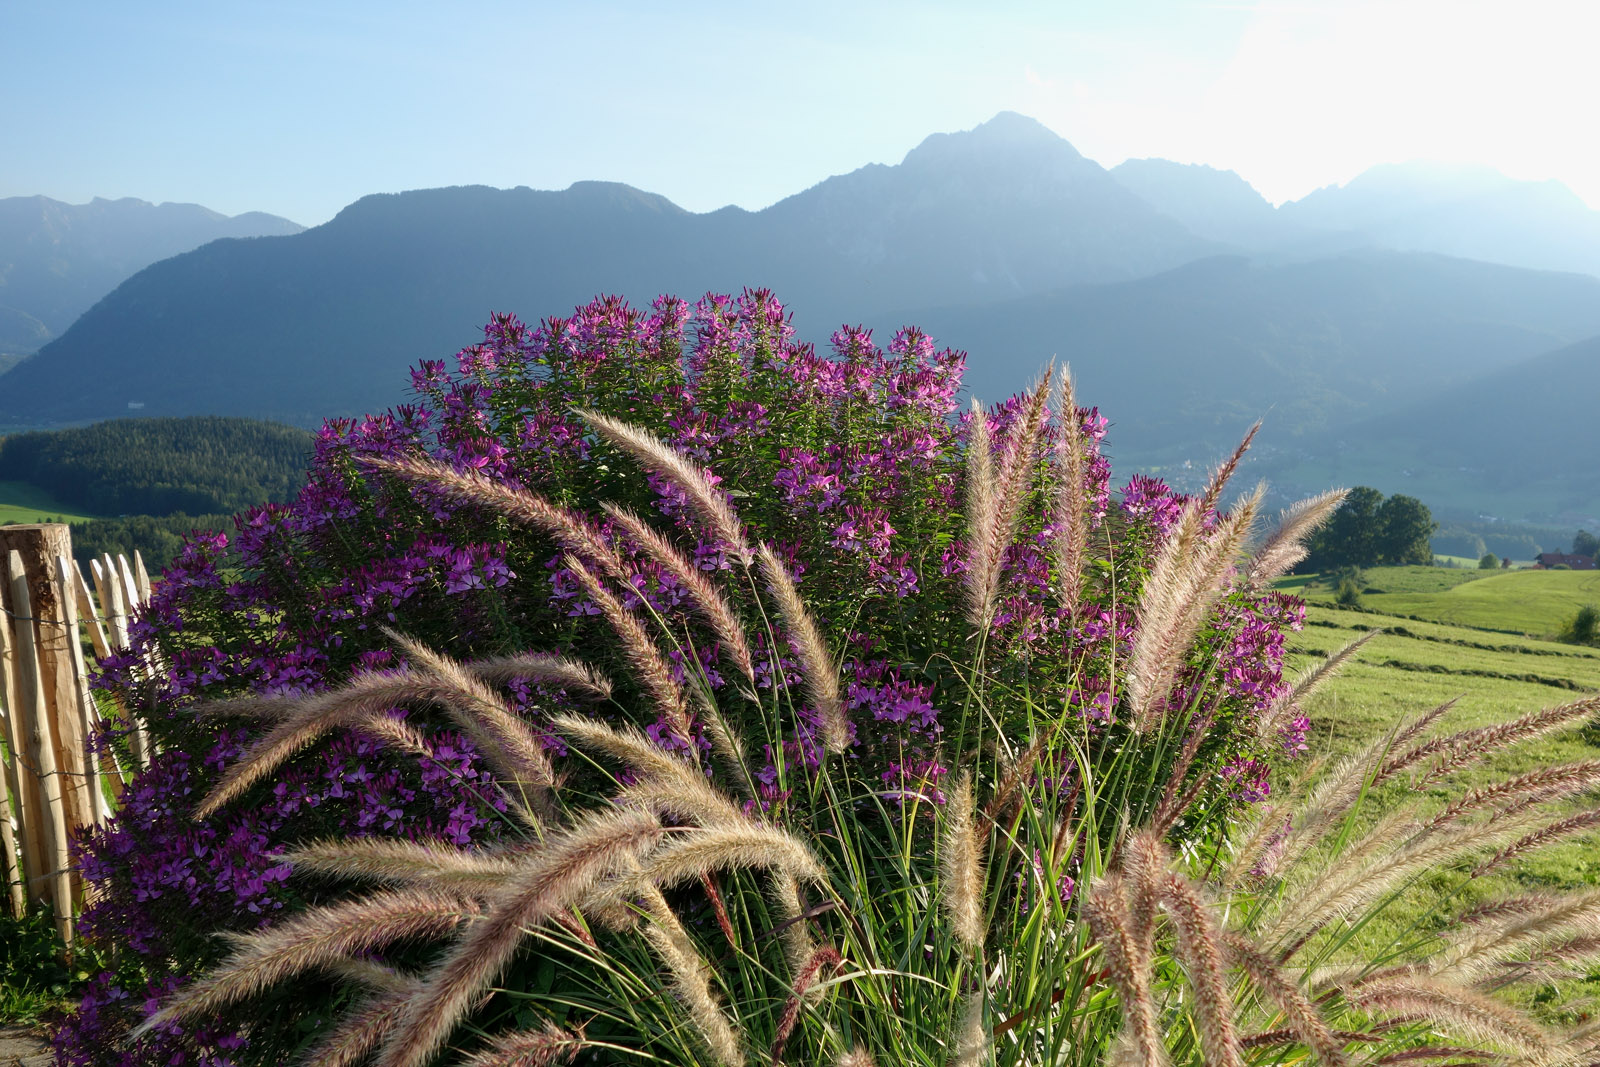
pixel 21 502
pixel 1540 603
pixel 1416 666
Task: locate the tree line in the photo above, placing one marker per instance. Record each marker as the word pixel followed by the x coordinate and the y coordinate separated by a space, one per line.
pixel 1371 531
pixel 206 465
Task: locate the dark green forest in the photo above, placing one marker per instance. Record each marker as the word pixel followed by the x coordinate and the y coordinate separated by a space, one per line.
pixel 156 537
pixel 1369 531
pixel 204 465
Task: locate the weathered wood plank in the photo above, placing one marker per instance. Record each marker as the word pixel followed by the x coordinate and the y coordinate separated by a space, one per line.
pixel 53 879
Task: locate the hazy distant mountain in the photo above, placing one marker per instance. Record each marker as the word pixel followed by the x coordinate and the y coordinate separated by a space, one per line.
pixel 1474 212
pixel 1016 247
pixel 1471 212
pixel 325 322
pixel 1182 362
pixel 1515 442
pixel 1006 209
pixel 1214 204
pixel 57 259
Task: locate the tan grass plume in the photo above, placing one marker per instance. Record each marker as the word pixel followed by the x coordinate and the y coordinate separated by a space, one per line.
pixel 425 864
pixel 521 505
pixel 961 865
pixel 691 980
pixel 1069 542
pixel 713 607
pixel 693 852
pixel 360 1031
pixel 992 524
pixel 1306 1022
pixel 545 668
pixel 1454 1009
pixel 307 719
pixel 1308 681
pixel 1108 913
pixel 506 740
pixel 667 784
pixel 548 1045
pixel 649 665
pixel 982 500
pixel 1185 582
pixel 314 940
pixel 821 672
pixel 553 879
pixel 709 502
pixel 1200 950
pixel 1224 472
pixel 972 1038
pixel 1285 546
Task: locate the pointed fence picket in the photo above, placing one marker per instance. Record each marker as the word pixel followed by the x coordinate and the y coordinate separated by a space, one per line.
pixel 53 779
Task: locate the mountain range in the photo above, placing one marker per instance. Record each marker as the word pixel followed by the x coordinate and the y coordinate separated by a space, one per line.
pixel 57 260
pixel 1187 304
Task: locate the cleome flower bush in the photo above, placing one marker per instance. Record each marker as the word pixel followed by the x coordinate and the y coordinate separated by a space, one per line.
pixel 656 690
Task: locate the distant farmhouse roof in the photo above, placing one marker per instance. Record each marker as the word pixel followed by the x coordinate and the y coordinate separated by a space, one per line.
pixel 1547 560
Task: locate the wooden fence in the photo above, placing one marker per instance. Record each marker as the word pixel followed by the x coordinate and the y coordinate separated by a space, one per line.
pixel 56 780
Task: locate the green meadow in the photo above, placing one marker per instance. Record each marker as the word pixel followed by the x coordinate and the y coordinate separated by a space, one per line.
pixel 21 502
pixel 1534 603
pixel 1413 666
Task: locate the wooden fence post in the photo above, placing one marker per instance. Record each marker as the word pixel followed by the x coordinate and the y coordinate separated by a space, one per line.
pixel 52 876
pixel 37 546
pixel 88 716
pixel 22 776
pixel 10 858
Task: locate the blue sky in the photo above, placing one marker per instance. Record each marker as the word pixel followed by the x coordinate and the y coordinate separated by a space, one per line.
pixel 299 108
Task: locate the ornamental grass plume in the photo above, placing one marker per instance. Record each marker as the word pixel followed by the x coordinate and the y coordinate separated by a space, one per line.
pixel 652 452
pixel 820 675
pixel 911 849
pixel 1207 964
pixel 1186 581
pixel 1070 539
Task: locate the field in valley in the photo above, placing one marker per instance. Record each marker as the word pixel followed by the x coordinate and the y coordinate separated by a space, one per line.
pixel 20 502
pixel 1527 602
pixel 1414 665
